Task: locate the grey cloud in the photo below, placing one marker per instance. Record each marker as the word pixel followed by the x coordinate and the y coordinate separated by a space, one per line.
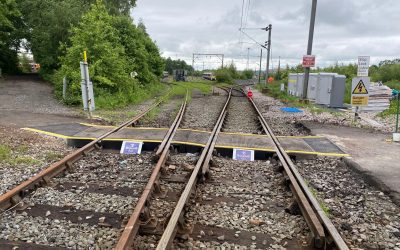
pixel 344 28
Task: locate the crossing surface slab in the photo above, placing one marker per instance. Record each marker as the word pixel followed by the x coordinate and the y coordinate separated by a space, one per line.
pixel 317 145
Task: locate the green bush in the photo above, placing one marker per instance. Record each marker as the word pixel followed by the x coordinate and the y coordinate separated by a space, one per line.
pixel 115 48
pixel 223 75
pixel 247 74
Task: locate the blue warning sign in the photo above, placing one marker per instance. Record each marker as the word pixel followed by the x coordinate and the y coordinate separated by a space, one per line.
pixel 243 155
pixel 131 148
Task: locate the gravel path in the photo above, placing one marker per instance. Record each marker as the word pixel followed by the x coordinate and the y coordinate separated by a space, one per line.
pixel 29 101
pixel 364 216
pixel 23 154
pixel 29 93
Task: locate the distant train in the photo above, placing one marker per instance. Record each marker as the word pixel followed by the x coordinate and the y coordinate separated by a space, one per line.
pixel 34 67
pixel 209 76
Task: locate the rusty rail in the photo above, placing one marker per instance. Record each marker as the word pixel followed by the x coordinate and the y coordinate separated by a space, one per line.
pixel 15 195
pixel 322 228
pixel 171 229
pixel 132 227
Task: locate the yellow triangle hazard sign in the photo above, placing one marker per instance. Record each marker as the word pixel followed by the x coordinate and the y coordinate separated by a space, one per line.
pixel 360 88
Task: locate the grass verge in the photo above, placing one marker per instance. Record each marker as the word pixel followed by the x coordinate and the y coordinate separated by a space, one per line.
pixel 8 156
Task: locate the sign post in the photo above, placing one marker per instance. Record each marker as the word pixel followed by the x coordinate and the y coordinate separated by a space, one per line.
pixel 86 86
pixel 360 85
pixel 396 134
pixel 359 92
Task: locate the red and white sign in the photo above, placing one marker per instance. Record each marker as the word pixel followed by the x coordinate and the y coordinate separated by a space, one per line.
pixel 308 61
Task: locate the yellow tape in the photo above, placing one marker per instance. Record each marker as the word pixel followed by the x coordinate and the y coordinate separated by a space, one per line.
pixel 46 133
pixel 316 153
pixel 301 136
pixel 189 143
pixel 243 134
pixel 132 128
pixel 245 148
pixel 194 130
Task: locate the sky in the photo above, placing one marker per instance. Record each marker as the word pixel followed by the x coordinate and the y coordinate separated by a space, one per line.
pixel 344 30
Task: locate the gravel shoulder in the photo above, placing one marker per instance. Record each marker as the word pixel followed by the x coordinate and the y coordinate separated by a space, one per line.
pixel 370 150
pixel 370 120
pixel 364 215
pixel 23 154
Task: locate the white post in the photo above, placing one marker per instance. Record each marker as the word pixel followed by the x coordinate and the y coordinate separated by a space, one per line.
pixel 64 87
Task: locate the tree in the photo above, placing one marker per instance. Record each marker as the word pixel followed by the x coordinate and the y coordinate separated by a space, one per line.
pixel 48 23
pixel 232 70
pixel 118 7
pixel 109 64
pixel 10 22
pixel 140 49
pixel 171 65
pixel 247 74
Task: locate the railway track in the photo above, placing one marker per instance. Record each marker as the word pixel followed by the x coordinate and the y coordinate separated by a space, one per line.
pixel 173 202
pixel 80 201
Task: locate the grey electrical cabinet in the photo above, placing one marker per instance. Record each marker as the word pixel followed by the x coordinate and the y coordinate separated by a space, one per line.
pixel 330 90
pixel 292 84
pixel 323 88
pixel 296 83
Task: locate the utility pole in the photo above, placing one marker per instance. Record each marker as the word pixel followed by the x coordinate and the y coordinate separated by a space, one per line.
pixel 268 43
pixel 248 54
pixel 309 47
pixel 279 68
pixel 259 71
pixel 192 67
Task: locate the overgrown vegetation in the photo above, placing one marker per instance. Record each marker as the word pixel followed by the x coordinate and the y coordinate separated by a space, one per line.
pixel 8 156
pixel 10 35
pixel 230 73
pixel 321 202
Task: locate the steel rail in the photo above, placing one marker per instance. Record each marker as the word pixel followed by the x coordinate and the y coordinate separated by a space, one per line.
pixel 171 229
pixel 15 195
pixel 131 228
pixel 313 213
